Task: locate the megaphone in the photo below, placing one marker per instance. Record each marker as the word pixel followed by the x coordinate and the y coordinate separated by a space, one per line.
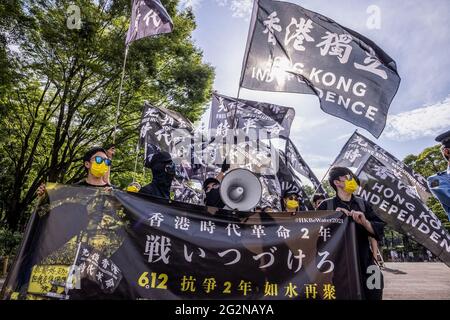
pixel 240 190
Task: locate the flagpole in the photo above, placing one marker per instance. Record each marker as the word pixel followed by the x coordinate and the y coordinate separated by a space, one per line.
pixel 120 94
pixel 329 168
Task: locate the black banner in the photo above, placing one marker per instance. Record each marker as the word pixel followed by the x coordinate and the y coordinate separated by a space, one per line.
pixel 291 49
pixel 357 151
pixel 248 116
pixel 148 18
pixel 89 243
pixel 397 204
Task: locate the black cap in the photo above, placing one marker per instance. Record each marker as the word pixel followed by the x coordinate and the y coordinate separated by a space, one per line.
pixel 444 138
pixel 88 155
pixel 160 157
pixel 290 192
pixel 208 181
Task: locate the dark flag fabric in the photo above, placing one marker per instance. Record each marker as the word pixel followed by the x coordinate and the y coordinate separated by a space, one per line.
pixel 398 204
pixel 166 130
pixel 231 113
pixel 289 179
pixel 291 49
pixel 297 163
pixel 357 151
pixel 89 243
pixel 148 18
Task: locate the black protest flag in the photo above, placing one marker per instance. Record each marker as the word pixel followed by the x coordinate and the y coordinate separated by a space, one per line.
pixel 289 180
pixel 148 18
pixel 162 129
pixel 227 112
pixel 295 161
pixel 358 149
pixel 291 49
pixel 398 204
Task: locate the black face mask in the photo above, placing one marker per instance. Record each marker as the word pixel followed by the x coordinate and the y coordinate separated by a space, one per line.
pixel 213 199
pixel 163 173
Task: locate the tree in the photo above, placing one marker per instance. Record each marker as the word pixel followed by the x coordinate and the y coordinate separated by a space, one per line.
pixel 429 162
pixel 64 98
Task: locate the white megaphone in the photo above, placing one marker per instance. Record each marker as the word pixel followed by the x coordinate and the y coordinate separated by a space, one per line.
pixel 240 190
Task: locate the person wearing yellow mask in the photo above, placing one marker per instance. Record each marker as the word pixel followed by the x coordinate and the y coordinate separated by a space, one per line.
pixel 368 225
pixel 291 202
pixel 96 164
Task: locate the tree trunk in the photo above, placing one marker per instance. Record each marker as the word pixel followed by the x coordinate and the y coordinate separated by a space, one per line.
pixel 5 265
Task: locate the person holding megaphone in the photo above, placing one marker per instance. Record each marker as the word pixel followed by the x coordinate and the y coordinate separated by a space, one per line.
pixel 211 187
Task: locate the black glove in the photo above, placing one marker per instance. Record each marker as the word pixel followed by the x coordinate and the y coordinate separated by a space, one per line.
pixel 225 166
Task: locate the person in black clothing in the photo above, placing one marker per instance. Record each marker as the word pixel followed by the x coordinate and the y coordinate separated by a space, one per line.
pixel 211 186
pixel 163 170
pixel 345 183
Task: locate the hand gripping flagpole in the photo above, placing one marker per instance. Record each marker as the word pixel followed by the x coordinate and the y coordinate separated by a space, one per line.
pixel 120 94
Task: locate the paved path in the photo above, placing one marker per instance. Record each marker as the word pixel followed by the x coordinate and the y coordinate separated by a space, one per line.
pixel 416 280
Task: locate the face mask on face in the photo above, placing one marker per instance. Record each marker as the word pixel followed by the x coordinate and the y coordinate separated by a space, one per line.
pixel 292 204
pixel 98 170
pixel 350 186
pixel 163 173
pixel 213 199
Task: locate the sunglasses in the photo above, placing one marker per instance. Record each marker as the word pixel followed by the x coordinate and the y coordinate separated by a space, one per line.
pixel 99 160
pixel 292 198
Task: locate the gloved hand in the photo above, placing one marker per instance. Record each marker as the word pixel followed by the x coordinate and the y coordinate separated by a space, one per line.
pixel 225 166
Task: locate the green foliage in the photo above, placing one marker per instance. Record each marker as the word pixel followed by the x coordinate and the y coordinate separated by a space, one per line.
pixel 427 163
pixel 9 242
pixel 63 91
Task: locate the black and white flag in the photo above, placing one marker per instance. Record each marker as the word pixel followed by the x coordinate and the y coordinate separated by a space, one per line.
pixel 296 162
pixel 231 113
pixel 397 204
pixel 164 130
pixel 291 49
pixel 148 18
pixel 357 151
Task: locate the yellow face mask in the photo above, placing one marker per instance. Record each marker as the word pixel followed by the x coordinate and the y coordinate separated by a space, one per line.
pixel 292 204
pixel 350 186
pixel 99 170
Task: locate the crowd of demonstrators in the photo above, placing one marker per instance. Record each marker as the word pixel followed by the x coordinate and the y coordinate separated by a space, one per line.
pixel 369 228
pixel 368 225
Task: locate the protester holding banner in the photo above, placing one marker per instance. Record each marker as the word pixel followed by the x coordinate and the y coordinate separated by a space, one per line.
pixel 163 171
pixel 440 183
pixel 97 164
pixel 368 224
